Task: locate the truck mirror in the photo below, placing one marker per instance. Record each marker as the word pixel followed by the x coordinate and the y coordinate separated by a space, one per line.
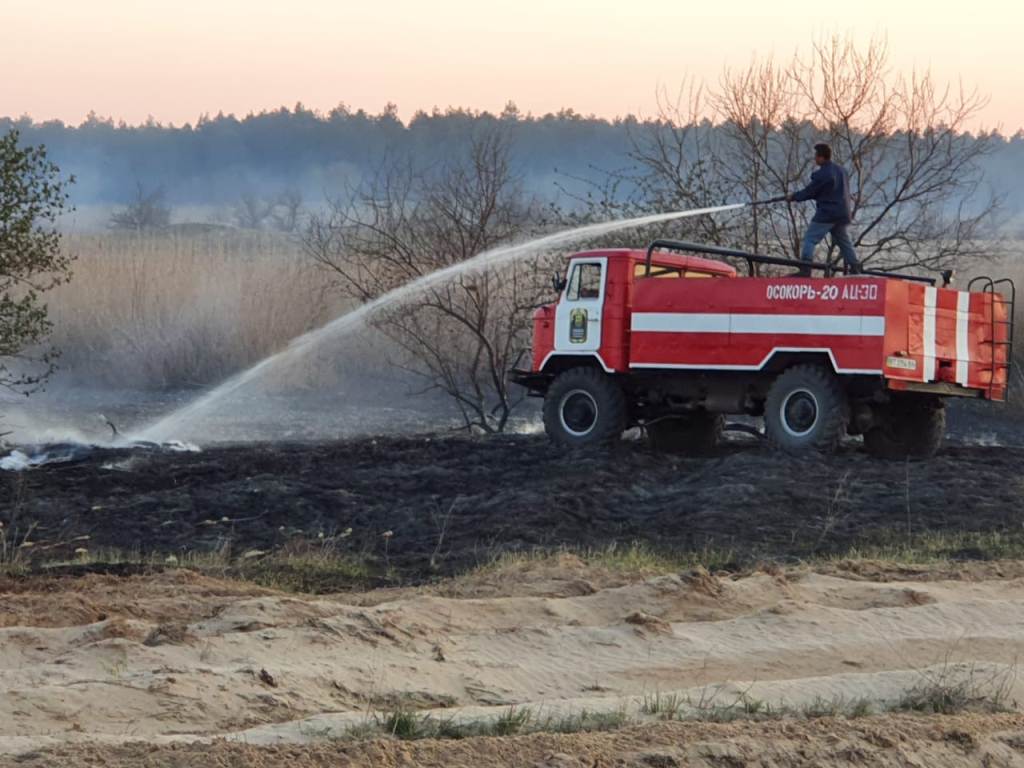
pixel 557 282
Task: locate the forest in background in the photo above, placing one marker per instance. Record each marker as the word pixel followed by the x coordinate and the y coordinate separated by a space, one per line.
pixel 220 160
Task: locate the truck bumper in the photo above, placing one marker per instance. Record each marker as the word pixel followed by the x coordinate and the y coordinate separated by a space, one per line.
pixel 537 383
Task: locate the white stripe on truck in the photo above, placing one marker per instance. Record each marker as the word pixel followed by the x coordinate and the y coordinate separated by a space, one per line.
pixel 928 342
pixel 805 325
pixel 963 324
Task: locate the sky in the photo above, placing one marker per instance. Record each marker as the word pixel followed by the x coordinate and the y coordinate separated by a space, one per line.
pixel 131 59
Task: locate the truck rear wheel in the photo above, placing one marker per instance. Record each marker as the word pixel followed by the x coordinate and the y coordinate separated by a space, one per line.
pixel 805 410
pixel 695 434
pixel 583 406
pixel 907 428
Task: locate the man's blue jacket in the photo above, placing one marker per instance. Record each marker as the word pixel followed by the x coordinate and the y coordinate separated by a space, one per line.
pixel 830 189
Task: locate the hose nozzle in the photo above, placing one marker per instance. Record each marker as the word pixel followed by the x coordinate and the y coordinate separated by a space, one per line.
pixel 768 201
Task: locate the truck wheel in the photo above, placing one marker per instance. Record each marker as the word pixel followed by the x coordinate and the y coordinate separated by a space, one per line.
pixel 909 428
pixel 583 406
pixel 695 434
pixel 805 410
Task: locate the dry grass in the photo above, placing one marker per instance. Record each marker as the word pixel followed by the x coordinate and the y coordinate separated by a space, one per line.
pixel 952 689
pixel 316 566
pixel 635 559
pixel 408 725
pixel 188 308
pixel 1016 273
pixel 174 310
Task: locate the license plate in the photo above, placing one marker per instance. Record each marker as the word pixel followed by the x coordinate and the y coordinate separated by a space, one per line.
pixel 903 363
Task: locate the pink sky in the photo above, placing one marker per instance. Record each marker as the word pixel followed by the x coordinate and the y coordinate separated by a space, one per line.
pixel 176 60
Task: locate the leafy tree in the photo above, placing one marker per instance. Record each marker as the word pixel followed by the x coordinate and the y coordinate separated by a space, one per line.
pixel 32 197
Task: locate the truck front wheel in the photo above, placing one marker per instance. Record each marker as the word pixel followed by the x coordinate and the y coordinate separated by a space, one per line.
pixel 911 427
pixel 805 410
pixel 584 406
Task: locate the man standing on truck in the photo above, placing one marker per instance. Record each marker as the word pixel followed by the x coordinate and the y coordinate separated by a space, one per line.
pixel 830 190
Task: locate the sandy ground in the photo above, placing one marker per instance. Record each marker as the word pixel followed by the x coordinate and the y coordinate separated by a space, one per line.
pixel 886 742
pixel 132 670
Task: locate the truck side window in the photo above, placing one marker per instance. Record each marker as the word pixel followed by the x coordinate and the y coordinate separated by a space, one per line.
pixel 659 271
pixel 656 271
pixel 584 283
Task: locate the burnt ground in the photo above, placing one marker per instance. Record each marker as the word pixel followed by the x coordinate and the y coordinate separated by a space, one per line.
pixel 459 501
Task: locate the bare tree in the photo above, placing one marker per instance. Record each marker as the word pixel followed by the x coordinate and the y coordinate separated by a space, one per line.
pixel 763 149
pixel 287 210
pixel 147 211
pixel 252 211
pixel 461 337
pixel 676 164
pixel 915 173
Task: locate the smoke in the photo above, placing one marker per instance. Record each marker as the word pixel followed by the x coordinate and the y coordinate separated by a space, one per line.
pixel 37 422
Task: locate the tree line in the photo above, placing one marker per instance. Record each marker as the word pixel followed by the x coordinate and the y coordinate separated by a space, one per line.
pixel 221 159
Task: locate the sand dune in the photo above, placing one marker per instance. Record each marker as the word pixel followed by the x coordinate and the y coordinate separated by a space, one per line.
pixel 177 657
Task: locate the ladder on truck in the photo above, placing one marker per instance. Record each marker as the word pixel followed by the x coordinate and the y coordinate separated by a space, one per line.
pixel 994 288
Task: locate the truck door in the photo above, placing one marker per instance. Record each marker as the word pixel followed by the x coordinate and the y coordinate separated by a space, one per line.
pixel 578 315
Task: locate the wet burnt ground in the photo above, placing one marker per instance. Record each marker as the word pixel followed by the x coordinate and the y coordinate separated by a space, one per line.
pixel 457 502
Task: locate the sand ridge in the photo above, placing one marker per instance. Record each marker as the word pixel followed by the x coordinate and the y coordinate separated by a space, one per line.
pixel 179 657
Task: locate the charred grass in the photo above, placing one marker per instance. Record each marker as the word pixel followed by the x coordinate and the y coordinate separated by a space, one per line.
pixel 386 511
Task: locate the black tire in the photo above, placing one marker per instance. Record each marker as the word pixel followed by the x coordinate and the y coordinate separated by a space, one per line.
pixel 909 428
pixel 806 410
pixel 696 434
pixel 583 406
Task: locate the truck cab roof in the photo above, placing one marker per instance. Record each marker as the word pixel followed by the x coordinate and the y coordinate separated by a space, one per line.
pixel 662 259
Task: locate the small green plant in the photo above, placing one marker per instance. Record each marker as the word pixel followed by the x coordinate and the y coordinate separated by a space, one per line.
pixel 949 698
pixel 450 728
pixel 510 722
pixel 861 707
pixel 406 725
pixel 664 706
pixel 14 549
pixel 821 707
pixel 954 688
pixel 581 722
pixel 753 707
pixel 363 731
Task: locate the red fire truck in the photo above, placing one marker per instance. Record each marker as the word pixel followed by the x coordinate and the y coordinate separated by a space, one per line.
pixel 672 341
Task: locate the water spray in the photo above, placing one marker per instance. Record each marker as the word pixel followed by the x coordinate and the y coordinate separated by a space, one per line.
pixel 174 422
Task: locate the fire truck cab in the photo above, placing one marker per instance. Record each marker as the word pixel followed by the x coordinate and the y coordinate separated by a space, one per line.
pixel 671 342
